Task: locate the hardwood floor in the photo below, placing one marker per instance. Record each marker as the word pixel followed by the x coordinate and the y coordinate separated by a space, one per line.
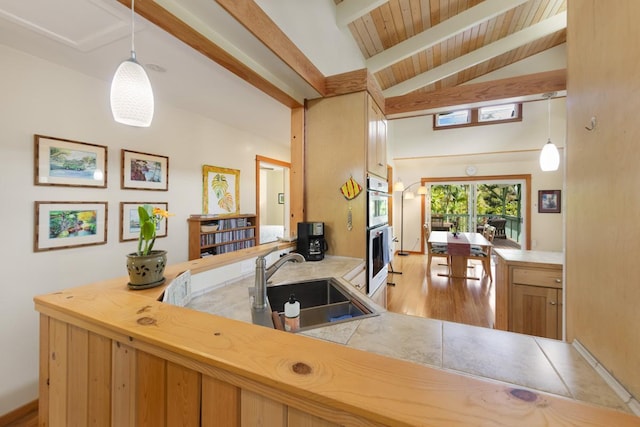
pixel 471 302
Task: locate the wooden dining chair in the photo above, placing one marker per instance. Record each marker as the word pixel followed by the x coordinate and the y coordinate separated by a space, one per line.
pixel 435 249
pixel 483 253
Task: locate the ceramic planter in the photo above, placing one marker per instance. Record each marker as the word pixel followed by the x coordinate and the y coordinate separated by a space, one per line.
pixel 146 271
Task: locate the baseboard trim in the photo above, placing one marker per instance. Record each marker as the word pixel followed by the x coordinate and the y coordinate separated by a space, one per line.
pixel 18 413
pixel 618 388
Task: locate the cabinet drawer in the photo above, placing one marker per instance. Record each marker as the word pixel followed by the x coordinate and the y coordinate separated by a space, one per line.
pixel 537 277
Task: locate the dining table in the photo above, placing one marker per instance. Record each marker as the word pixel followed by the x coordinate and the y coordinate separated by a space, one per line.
pixel 459 250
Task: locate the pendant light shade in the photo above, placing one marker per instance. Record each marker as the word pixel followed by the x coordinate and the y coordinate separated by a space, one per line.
pixel 549 157
pixel 131 94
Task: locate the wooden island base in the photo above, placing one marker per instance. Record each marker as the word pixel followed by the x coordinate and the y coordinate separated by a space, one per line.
pixel 111 356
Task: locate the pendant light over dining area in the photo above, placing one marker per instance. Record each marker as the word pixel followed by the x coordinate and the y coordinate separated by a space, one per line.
pixel 549 156
pixel 131 96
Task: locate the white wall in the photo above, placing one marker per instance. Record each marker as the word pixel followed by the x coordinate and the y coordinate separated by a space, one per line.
pixel 504 149
pixel 41 98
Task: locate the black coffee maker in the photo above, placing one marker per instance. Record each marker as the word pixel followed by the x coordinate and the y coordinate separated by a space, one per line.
pixel 311 243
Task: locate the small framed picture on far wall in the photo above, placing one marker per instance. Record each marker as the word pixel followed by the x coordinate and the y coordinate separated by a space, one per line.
pixel 549 201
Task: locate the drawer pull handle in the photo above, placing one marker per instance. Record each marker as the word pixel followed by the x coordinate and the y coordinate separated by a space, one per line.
pixel 558 280
pixel 552 302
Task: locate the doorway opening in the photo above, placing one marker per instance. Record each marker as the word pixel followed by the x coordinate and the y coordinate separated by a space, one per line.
pixel 272 199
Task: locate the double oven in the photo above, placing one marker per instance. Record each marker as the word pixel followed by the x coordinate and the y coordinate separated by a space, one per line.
pixel 379 238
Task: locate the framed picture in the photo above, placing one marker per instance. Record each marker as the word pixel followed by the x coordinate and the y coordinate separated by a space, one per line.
pixel 144 171
pixel 549 201
pixel 220 190
pixel 69 163
pixel 62 225
pixel 130 221
pixel 281 198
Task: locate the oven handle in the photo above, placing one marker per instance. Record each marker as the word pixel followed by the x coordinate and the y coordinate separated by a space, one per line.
pixel 379 193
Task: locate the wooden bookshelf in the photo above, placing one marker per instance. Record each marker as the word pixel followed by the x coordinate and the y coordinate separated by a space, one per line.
pixel 211 235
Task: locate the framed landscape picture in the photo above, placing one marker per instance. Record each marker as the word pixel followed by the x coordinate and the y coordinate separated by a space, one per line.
pixel 549 201
pixel 130 221
pixel 144 171
pixel 69 163
pixel 62 225
pixel 220 190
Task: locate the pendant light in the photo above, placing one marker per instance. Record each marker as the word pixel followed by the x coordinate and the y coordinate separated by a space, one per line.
pixel 549 157
pixel 131 93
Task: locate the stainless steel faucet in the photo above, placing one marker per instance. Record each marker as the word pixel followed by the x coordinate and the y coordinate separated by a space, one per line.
pixel 263 273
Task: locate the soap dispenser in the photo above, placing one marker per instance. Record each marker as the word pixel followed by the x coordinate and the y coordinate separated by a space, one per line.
pixel 292 314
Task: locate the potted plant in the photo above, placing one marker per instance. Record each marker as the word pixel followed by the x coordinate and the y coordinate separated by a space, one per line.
pixel 146 266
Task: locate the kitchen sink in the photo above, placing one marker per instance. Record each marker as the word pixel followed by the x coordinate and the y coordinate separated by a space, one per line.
pixel 323 302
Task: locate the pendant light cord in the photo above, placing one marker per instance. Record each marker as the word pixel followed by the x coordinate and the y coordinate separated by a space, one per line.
pixel 133 50
pixel 549 114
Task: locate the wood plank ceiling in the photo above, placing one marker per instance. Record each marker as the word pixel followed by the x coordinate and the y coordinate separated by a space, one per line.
pixel 467 45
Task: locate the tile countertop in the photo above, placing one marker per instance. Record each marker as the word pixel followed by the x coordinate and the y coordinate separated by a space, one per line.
pixel 537 363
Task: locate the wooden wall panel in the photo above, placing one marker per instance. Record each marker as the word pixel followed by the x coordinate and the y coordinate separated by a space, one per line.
pixel 58 374
pixel 77 377
pixel 337 125
pixel 220 403
pixel 183 396
pixel 123 388
pixel 257 410
pixel 296 178
pixel 602 184
pixel 99 375
pixel 151 392
pixel 43 379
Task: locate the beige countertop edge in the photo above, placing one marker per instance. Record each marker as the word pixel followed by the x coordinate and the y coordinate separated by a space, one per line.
pixel 538 257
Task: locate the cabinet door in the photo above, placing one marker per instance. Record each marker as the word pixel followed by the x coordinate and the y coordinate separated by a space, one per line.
pixel 380 296
pixel 535 311
pixel 376 140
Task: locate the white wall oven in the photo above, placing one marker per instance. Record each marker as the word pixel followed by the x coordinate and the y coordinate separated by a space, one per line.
pixel 377 202
pixel 378 233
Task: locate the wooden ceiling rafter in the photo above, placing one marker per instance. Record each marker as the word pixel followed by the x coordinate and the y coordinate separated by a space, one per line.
pixel 258 23
pixel 531 84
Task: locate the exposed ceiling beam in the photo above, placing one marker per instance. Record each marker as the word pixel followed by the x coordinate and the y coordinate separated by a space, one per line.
pixel 420 103
pixel 350 10
pixel 155 13
pixel 253 18
pixel 506 44
pixel 443 31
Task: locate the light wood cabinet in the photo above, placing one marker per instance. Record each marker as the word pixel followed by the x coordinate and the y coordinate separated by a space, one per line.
pixel 377 140
pixel 217 235
pixel 537 310
pixel 536 301
pixel 529 292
